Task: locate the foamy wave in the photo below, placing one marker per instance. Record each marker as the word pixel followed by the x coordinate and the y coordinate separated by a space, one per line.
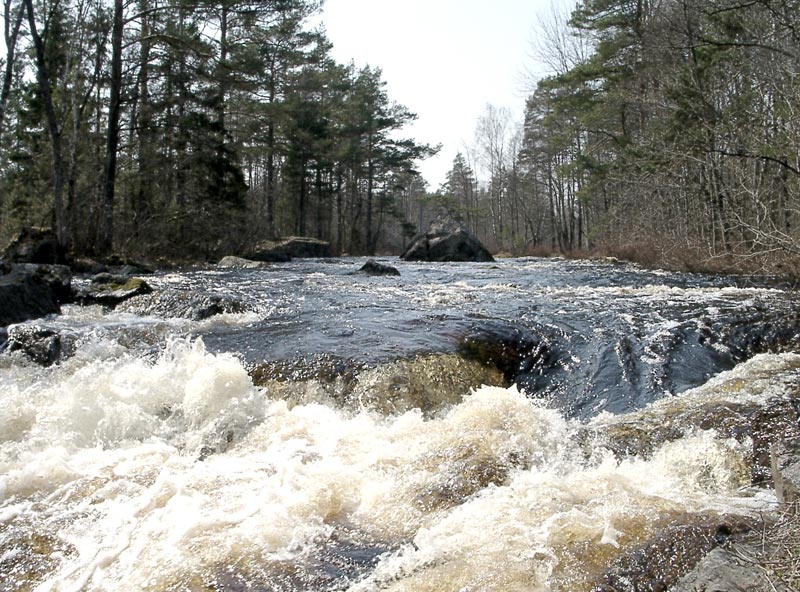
pixel 498 493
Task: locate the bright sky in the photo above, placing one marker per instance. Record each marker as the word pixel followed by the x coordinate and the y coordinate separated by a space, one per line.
pixel 443 59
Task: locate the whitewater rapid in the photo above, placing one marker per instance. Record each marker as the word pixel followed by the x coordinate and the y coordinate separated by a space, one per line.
pixel 174 472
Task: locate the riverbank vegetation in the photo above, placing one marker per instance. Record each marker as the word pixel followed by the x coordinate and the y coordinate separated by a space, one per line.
pixel 667 132
pixel 188 128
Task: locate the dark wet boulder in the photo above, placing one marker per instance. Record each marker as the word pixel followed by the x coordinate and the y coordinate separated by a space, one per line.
pixel 110 290
pixel 26 295
pixel 42 345
pixel 373 268
pixel 446 240
pixel 35 245
pixel 182 304
pixel 286 249
pixel 231 262
pixel 57 277
pixel 523 355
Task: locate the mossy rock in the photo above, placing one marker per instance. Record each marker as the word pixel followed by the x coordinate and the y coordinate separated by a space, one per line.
pixel 109 290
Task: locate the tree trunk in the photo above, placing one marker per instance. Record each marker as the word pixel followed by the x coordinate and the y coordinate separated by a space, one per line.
pixel 141 206
pixel 12 26
pixel 370 184
pixel 105 241
pixel 61 218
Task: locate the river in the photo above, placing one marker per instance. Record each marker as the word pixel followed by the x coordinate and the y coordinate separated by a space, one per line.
pixel 442 430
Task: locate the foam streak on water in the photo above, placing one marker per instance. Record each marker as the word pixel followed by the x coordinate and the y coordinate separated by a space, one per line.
pixel 118 473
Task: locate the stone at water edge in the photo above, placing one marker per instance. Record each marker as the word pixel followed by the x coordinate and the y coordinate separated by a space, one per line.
pixel 723 570
pixel 785 468
pixel 231 262
pixel 446 240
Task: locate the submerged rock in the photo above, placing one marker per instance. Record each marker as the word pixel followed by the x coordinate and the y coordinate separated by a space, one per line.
pixel 427 382
pixel 182 304
pixel 462 472
pixel 374 268
pixel 28 555
pixel 446 240
pixel 764 425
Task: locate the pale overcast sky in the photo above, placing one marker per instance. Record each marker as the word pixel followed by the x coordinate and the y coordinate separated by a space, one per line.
pixel 443 59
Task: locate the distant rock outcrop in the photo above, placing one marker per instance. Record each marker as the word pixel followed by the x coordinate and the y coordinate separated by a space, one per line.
pixel 231 262
pixel 292 247
pixel 446 240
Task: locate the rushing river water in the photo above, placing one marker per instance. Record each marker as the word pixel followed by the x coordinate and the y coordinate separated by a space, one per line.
pixel 442 430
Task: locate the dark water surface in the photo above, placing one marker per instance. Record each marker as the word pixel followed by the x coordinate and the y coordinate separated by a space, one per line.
pixel 149 460
pixel 589 336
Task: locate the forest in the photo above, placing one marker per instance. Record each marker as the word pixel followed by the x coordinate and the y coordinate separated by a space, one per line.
pixel 668 131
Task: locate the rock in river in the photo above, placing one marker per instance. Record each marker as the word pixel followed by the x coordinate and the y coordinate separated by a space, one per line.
pixel 109 290
pixel 231 262
pixel 374 268
pixel 182 304
pixel 26 293
pixel 292 247
pixel 446 240
pixel 42 345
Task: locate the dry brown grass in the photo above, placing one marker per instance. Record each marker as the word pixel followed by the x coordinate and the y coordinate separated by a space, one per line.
pixel 775 551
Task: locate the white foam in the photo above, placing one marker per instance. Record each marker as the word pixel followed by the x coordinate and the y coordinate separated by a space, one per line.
pixel 493 495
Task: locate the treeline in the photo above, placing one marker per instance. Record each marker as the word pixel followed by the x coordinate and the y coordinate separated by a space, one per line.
pixel 190 128
pixel 668 130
